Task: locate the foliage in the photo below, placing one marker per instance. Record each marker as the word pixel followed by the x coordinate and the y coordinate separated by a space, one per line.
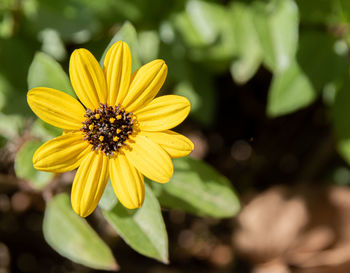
pixel 303 44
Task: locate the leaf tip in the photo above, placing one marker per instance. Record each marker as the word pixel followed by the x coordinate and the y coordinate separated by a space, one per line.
pixel 165 260
pixel 114 267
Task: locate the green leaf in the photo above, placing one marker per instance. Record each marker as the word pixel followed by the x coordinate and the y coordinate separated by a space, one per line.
pixel 316 60
pixel 340 113
pixel 11 126
pixel 72 237
pixel 199 189
pixel 277 23
pixel 45 71
pixel 316 11
pixel 142 229
pixel 289 91
pixel 52 44
pixel 247 43
pixel 126 33
pixel 108 199
pixel 304 80
pixel 24 166
pixel 201 93
pixel 149 43
pixel 16 53
pixel 44 131
pixel 206 28
pixel 71 19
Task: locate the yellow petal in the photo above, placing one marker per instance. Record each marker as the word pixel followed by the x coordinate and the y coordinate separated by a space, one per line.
pixel 150 159
pixel 127 182
pixel 145 84
pixel 56 108
pixel 87 78
pixel 163 113
pixel 175 144
pixel 89 183
pixel 61 154
pixel 117 71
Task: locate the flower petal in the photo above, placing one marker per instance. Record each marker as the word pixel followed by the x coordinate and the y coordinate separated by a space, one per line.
pixel 150 159
pixel 127 182
pixel 175 144
pixel 61 154
pixel 56 107
pixel 89 183
pixel 163 113
pixel 87 78
pixel 145 84
pixel 117 71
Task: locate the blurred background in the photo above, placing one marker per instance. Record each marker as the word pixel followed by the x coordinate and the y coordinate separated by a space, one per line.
pixel 270 92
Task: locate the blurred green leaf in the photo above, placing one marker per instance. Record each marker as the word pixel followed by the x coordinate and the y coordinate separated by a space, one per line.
pixel 200 91
pixel 325 12
pixel 206 28
pixel 188 32
pixel 316 60
pixel 249 53
pixel 126 33
pixel 143 229
pixel 277 25
pixel 289 91
pixel 52 44
pixel 11 126
pixel 108 199
pixel 72 237
pixel 24 166
pixel 340 112
pixel 45 71
pixel 72 20
pixel 199 189
pixel 148 45
pixel 303 81
pixel 206 19
pixel 16 53
pixel 44 131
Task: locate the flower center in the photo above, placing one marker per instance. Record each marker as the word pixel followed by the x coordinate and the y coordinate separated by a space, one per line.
pixel 107 128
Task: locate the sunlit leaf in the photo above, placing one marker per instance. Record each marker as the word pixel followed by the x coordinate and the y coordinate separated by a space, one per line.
pixel 126 33
pixel 290 90
pixel 249 53
pixel 72 237
pixel 149 45
pixel 45 71
pixel 277 25
pixel 108 199
pixel 143 229
pixel 198 189
pixel 52 44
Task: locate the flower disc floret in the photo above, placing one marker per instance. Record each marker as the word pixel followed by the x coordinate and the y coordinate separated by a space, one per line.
pixel 107 128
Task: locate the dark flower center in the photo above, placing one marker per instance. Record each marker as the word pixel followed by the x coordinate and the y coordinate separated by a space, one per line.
pixel 107 128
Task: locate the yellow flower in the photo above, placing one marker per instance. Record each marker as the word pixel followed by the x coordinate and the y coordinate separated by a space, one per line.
pixel 117 129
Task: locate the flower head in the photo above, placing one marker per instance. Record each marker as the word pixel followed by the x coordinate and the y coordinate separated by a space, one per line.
pixel 117 129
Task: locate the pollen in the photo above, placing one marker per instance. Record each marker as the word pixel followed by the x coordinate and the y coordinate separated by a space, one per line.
pixel 108 127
